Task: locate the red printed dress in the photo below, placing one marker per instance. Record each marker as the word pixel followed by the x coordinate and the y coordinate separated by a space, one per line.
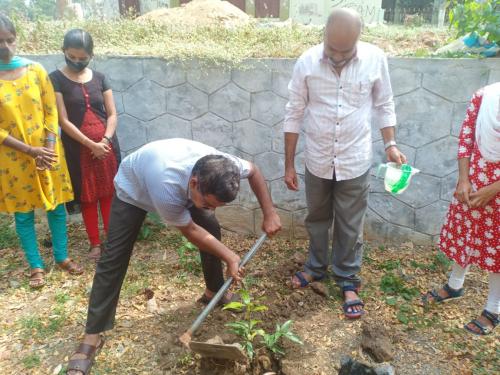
pixel 472 235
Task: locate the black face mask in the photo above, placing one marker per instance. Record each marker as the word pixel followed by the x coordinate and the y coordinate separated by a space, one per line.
pixel 76 66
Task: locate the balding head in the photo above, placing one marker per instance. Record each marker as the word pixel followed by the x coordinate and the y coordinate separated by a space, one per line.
pixel 342 32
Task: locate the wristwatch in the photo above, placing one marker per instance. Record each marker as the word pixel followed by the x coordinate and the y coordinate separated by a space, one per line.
pixel 389 144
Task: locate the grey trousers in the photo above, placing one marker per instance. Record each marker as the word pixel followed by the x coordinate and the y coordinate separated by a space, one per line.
pixel 343 204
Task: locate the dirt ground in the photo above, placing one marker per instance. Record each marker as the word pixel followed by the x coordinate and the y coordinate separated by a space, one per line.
pixel 39 329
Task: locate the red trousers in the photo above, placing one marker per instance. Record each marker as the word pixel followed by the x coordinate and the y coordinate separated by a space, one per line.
pixel 91 218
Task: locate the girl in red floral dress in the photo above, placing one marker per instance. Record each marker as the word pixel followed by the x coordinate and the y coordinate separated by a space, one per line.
pixel 87 116
pixel 471 232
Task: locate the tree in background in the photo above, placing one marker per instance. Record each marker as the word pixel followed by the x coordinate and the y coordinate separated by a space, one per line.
pixel 477 16
pixel 31 9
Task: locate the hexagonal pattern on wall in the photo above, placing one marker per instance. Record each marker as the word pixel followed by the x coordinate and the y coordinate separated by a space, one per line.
pixel 438 158
pixel 281 79
pixel 429 119
pixel 208 80
pixel 423 190
pixel 231 103
pixel 391 209
pixel 251 137
pixel 288 199
pixel 253 77
pixel 448 185
pixel 153 103
pixel 430 219
pixel 121 72
pixel 187 102
pixel 459 111
pixel 213 130
pixel 271 164
pixel 422 118
pixel 404 81
pixel 457 85
pixel 131 133
pixel 267 107
pixel 168 126
pixel 167 74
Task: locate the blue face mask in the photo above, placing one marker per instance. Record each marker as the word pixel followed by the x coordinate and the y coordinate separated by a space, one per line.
pixel 76 66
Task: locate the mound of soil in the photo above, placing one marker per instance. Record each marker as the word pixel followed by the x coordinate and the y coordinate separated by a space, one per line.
pixel 200 13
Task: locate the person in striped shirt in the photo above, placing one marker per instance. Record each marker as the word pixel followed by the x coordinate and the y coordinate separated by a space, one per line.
pixel 338 88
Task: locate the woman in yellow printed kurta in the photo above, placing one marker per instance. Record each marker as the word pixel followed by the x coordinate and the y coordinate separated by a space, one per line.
pixel 33 172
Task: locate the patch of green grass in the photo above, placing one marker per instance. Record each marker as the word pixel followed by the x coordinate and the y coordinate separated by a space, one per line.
pixel 213 44
pixel 390 265
pixel 151 228
pixel 8 236
pixel 132 288
pixel 392 284
pixel 31 361
pixel 42 328
pixel 189 257
pixel 61 298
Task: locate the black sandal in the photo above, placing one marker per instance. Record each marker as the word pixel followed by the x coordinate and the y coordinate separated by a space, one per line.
pixel 453 294
pixel 483 330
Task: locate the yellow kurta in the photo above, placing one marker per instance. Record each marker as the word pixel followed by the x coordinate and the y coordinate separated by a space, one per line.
pixel 27 111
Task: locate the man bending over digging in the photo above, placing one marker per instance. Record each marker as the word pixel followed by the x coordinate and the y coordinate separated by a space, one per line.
pixel 184 182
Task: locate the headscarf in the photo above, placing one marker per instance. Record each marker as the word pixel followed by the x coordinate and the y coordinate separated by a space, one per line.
pixel 14 63
pixel 488 123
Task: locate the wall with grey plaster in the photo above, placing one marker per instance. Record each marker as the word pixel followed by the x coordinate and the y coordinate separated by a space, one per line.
pixel 241 111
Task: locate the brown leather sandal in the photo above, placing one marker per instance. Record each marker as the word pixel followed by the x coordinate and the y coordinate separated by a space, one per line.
pixel 71 267
pixel 84 365
pixel 37 279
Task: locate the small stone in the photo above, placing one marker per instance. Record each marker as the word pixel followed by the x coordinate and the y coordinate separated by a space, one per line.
pixel 319 288
pixel 14 284
pixel 57 370
pixel 376 342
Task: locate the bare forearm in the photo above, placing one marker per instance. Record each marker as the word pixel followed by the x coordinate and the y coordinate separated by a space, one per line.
pixel 496 187
pixel 75 133
pixel 388 133
pixel 259 187
pixel 290 148
pixel 463 169
pixel 110 126
pixel 17 145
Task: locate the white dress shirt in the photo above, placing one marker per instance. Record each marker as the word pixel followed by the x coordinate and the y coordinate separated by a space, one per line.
pixel 336 112
pixel 156 177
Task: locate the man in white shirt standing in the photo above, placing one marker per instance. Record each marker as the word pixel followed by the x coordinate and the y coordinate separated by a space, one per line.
pixel 337 89
pixel 183 181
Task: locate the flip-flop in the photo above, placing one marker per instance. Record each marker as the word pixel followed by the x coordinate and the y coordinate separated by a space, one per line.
pixel 303 280
pixel 84 365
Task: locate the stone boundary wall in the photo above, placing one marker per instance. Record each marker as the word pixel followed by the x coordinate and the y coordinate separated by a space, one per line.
pixel 241 111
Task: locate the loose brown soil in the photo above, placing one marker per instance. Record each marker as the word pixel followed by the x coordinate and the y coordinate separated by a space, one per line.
pixel 39 329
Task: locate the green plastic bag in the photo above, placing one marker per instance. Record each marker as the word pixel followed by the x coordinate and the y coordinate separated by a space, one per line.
pixel 396 178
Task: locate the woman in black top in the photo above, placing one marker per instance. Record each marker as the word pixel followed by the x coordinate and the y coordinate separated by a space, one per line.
pixel 87 116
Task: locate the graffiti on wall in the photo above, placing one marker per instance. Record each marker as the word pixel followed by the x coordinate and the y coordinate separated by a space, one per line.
pixel 315 11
